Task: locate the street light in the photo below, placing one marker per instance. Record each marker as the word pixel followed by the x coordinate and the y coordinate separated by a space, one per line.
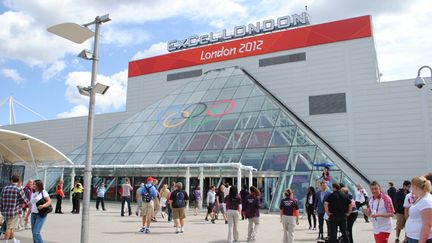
pixel 419 81
pixel 78 34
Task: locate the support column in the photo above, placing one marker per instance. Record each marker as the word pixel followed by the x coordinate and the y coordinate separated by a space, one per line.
pixel 45 176
pixel 250 178
pixel 239 176
pixel 72 183
pixel 187 186
pixel 201 182
pixel 62 174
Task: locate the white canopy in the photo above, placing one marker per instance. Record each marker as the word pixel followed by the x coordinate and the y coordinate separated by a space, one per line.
pixel 19 148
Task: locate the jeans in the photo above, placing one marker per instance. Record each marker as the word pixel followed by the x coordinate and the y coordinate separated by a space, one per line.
pixel 169 213
pixel 416 241
pixel 350 223
pixel 101 201
pixel 128 200
pixel 335 223
pixel 233 218
pixel 36 223
pixel 58 208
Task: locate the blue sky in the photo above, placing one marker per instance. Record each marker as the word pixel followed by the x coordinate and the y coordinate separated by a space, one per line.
pixel 41 70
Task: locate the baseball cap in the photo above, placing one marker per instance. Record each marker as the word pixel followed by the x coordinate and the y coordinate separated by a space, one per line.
pixel 149 179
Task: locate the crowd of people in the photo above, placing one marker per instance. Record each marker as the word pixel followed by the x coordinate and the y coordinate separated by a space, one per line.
pixel 335 207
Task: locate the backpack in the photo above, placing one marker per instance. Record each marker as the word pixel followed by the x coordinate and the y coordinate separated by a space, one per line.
pixel 146 194
pixel 180 201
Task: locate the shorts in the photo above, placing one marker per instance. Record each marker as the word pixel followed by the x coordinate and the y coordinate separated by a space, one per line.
pixel 222 208
pixel 178 213
pixel 210 208
pixel 11 223
pixel 147 208
pixel 400 221
pixel 198 204
pixel 382 237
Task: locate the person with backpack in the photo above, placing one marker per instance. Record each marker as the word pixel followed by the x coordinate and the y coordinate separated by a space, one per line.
pixel 251 210
pixel 233 204
pixel 148 194
pixel 178 201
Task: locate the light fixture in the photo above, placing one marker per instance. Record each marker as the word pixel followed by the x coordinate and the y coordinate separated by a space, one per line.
pixel 86 54
pixel 419 81
pixel 98 89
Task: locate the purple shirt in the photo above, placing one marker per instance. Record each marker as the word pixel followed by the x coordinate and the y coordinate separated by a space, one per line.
pixel 288 205
pixel 252 206
pixel 232 204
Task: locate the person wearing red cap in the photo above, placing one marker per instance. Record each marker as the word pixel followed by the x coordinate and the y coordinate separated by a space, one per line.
pixel 148 195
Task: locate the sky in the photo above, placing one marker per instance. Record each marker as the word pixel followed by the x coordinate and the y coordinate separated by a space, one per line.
pixel 41 71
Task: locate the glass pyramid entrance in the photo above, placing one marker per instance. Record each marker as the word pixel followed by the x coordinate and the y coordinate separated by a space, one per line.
pixel 225 116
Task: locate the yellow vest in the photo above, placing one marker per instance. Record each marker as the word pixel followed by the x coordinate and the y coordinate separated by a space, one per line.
pixel 78 189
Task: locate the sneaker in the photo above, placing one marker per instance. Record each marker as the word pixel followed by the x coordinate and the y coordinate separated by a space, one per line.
pixel 142 230
pixel 136 213
pixel 177 230
pixel 181 230
pixel 226 222
pixel 213 222
pixel 147 230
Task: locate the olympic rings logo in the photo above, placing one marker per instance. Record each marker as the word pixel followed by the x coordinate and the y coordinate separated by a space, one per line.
pixel 192 111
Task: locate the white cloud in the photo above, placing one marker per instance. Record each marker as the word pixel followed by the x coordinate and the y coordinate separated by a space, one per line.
pixel 12 74
pixel 53 70
pixel 79 110
pixel 154 50
pixel 124 36
pixel 113 100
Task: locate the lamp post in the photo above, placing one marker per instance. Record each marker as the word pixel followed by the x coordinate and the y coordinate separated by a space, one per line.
pixel 79 34
pixel 419 81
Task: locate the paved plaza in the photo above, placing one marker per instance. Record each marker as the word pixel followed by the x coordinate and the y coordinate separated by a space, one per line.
pixel 109 227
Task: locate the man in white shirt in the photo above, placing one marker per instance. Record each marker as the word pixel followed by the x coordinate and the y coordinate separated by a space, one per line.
pixel 380 210
pixel 361 199
pixel 211 199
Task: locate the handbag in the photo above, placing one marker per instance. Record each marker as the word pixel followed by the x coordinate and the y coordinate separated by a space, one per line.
pixel 46 210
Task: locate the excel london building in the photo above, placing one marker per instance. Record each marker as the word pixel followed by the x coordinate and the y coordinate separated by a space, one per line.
pixel 267 104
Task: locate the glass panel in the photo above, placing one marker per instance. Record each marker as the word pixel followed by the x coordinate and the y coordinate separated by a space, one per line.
pixel 269 104
pixel 234 80
pixel 220 108
pixel 181 99
pixel 230 157
pixel 227 93
pixel 192 124
pixel 267 119
pixel 130 131
pixel 208 157
pixel 302 139
pixel 132 144
pixel 136 159
pixel 260 138
pixel 301 158
pixel 321 159
pixel 256 92
pixel 211 75
pixel 239 104
pixel 246 80
pixel 164 142
pixel 211 95
pixel 118 145
pixel 103 147
pixel 169 158
pixel 79 159
pixel 174 125
pixel 204 85
pixel 121 158
pixel 180 142
pixel 195 97
pixel 152 158
pixel 252 157
pixel 190 87
pixel 147 143
pixel 118 130
pixel 284 121
pixel 228 122
pixel 198 141
pixel 276 159
pixel 217 141
pixel 219 83
pixel 159 128
pixel 243 91
pixel 208 124
pixel 167 100
pixel 105 159
pixel 253 104
pixel 189 158
pixel 145 128
pixel 283 136
pixel 238 139
pixel 144 115
pixel 247 120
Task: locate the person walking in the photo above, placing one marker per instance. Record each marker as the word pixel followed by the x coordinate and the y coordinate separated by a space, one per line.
pixel 198 200
pixel 353 216
pixel 400 209
pixel 100 192
pixel 419 224
pixel 59 196
pixel 211 200
pixel 28 190
pixel 320 198
pixel 289 215
pixel 164 201
pixel 178 202
pixel 310 207
pixel 220 195
pixel 126 197
pixel 233 204
pixel 251 212
pixel 391 192
pixel 77 190
pixel 148 195
pixel 244 193
pixel 156 201
pixel 361 198
pixel 10 204
pixel 40 202
pixel 380 210
pixel 139 200
pixel 338 207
